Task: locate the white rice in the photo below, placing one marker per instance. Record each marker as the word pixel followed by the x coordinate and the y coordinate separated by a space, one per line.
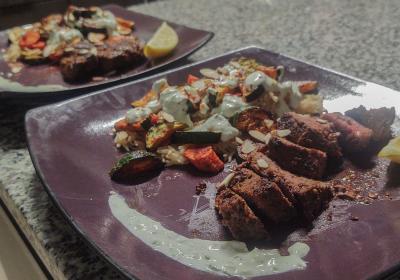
pixel 127 140
pixel 171 155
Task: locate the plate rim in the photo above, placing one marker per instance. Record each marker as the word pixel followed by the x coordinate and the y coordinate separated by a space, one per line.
pixel 209 35
pixel 70 220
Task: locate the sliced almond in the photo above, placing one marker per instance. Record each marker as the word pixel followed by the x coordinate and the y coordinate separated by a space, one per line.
pixel 123 30
pixel 96 38
pixel 268 138
pixel 262 163
pixel 83 51
pixel 235 64
pixel 238 140
pixel 168 117
pixel 247 147
pixel 209 73
pixel 257 135
pixel 321 121
pixel 283 132
pixel 274 98
pixel 269 123
pixel 226 180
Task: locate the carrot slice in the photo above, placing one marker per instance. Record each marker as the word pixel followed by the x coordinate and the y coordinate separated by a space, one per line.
pixel 144 100
pixel 124 22
pixel 191 79
pixel 308 86
pixel 123 125
pixel 204 159
pixel 30 37
pixel 38 45
pixel 269 71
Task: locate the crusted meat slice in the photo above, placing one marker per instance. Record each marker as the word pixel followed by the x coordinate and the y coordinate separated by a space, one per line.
pixel 378 120
pixel 312 132
pixel 119 52
pixel 238 217
pixel 297 159
pixel 354 137
pixel 264 196
pixel 79 62
pixel 311 197
pixel 243 152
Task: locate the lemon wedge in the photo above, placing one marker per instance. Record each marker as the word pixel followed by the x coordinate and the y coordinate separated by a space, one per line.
pixel 391 150
pixel 163 42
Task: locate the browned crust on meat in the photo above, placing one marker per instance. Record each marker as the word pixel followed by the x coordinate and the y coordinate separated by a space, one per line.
pixel 310 196
pixel 238 217
pixel 253 119
pixel 309 132
pixel 300 160
pixel 119 52
pixel 354 137
pixel 265 197
pixel 378 120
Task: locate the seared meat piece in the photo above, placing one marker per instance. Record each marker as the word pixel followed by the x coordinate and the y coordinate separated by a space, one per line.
pixel 79 62
pixel 265 197
pixel 379 120
pixel 354 137
pixel 310 197
pixel 253 118
pixel 258 147
pixel 312 132
pixel 238 217
pixel 302 161
pixel 119 52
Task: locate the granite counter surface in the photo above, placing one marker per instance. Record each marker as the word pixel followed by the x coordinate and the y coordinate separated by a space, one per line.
pixel 358 37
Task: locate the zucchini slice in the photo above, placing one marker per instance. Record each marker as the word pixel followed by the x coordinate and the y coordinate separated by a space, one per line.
pixel 146 123
pixel 161 134
pixel 196 137
pixel 133 163
pixel 253 95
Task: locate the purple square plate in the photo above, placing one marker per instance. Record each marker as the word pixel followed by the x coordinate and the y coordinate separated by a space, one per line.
pixel 190 40
pixel 72 150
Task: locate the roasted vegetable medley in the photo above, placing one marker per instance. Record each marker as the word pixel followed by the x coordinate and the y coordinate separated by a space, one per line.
pixel 202 121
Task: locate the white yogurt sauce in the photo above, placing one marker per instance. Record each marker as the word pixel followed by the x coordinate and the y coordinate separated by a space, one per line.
pixel 58 36
pixel 229 82
pixel 159 85
pixel 218 123
pixel 106 20
pixel 177 104
pixel 258 78
pixel 288 93
pixel 154 106
pixel 9 85
pixel 230 105
pixel 137 114
pixel 227 258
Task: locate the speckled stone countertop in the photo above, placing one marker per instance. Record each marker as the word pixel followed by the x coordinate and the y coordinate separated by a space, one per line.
pixel 357 37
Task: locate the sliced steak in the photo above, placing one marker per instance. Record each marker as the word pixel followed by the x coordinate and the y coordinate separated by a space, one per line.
pixel 119 52
pixel 354 137
pixel 378 120
pixel 253 118
pixel 238 217
pixel 263 196
pixel 79 62
pixel 312 132
pixel 297 159
pixel 242 151
pixel 311 197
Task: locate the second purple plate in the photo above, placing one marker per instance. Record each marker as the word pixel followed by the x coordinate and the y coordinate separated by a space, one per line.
pixel 52 83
